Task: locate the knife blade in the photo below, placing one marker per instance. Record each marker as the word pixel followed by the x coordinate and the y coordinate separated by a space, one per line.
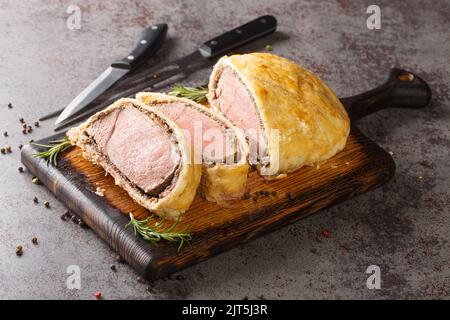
pixel 210 49
pixel 149 42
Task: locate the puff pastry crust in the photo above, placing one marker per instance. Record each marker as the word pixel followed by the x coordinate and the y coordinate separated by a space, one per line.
pixel 221 182
pixel 183 192
pixel 311 121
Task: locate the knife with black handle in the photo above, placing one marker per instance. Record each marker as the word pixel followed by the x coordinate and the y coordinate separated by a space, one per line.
pixel 150 40
pixel 207 51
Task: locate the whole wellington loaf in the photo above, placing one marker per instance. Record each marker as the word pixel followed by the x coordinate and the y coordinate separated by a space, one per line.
pixel 290 116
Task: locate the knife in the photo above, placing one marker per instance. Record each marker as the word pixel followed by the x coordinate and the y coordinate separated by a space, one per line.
pixel 150 40
pixel 210 49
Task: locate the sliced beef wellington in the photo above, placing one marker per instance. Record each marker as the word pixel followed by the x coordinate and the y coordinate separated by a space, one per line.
pixel 146 154
pixel 291 117
pixel 217 144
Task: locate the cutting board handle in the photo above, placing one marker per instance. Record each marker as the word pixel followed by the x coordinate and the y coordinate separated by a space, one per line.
pixel 402 89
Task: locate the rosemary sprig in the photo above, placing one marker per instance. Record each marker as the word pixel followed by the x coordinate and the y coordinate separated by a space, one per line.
pixel 197 94
pixel 156 232
pixel 53 149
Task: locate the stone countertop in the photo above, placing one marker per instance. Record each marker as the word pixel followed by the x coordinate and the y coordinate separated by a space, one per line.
pixel 402 227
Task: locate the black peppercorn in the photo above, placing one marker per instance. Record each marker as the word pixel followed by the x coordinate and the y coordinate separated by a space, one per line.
pixel 35 200
pixel 34 240
pixel 19 250
pixel 140 279
pixel 20 169
pixel 75 219
pixel 47 204
pixel 83 224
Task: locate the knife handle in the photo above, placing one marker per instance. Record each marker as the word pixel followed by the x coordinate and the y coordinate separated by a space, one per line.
pixel 148 43
pixel 402 89
pixel 239 36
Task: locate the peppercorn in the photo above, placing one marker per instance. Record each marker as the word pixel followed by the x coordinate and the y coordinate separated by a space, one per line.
pixel 8 148
pixel 140 279
pixel 20 146
pixel 10 105
pixel 20 169
pixel 36 124
pixel 29 129
pixel 75 219
pixel 47 204
pixel 34 240
pixel 24 130
pixel 35 200
pixel 22 120
pixel 3 150
pixel 19 250
pixel 24 126
pixel 83 224
pixel 98 295
pixel 113 267
pixel 326 233
pixel 5 133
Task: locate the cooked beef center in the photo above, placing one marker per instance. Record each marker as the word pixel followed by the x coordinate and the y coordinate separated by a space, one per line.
pixel 237 104
pixel 210 139
pixel 139 147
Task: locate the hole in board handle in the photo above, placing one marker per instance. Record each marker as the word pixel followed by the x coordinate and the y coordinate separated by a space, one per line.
pixel 406 77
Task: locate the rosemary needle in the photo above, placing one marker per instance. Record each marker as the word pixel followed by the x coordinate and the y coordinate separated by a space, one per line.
pixel 155 232
pixel 53 150
pixel 197 94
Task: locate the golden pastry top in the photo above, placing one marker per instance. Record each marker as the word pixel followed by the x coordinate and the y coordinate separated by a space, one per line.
pixel 312 123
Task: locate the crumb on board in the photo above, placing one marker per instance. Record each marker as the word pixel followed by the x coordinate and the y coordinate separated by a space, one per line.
pixel 100 192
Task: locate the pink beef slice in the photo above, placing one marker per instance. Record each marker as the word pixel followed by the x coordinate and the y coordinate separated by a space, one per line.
pixel 138 147
pixel 207 135
pixel 237 104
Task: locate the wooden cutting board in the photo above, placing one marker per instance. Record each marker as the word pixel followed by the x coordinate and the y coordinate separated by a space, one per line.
pixel 361 166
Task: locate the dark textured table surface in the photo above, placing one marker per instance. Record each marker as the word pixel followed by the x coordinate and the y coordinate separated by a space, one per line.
pixel 402 227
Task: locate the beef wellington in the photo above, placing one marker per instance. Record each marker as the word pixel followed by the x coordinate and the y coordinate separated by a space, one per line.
pixel 290 116
pixel 218 145
pixel 146 154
